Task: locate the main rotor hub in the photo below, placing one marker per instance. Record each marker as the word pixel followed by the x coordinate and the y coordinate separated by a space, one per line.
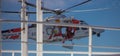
pixel 58 11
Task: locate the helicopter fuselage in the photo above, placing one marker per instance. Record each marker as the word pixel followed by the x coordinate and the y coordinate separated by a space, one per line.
pixel 79 32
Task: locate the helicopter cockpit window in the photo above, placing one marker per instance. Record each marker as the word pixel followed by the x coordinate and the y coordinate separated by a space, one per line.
pixel 84 28
pixel 59 16
pixel 83 22
pixel 67 21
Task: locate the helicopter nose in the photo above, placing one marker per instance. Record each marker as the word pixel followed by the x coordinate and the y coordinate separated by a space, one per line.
pixel 101 30
pixel 98 30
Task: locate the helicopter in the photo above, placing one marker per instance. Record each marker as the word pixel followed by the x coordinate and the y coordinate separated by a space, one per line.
pixel 54 33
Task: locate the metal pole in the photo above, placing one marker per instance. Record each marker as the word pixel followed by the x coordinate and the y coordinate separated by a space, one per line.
pixel 39 30
pixel 72 54
pixel 0 31
pixel 24 33
pixel 0 42
pixel 90 42
pixel 13 54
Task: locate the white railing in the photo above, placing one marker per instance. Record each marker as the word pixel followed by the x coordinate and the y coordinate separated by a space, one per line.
pixel 39 51
pixel 90 53
pixel 61 52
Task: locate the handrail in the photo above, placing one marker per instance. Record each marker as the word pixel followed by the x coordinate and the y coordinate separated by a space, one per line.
pixel 68 52
pixel 63 52
pixel 61 24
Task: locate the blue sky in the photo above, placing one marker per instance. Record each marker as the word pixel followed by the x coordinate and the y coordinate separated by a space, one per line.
pixel 109 18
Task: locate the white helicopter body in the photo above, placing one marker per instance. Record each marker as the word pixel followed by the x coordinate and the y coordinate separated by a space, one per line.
pixel 48 30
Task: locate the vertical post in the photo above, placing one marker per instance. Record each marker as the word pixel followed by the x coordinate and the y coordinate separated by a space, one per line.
pixel 90 42
pixel 72 54
pixel 13 53
pixel 24 33
pixel 39 30
pixel 0 41
pixel 0 31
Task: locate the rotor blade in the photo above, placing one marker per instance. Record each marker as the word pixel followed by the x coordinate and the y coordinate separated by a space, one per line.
pixel 30 4
pixel 43 8
pixel 44 12
pixel 76 5
pixel 10 12
pixel 98 9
